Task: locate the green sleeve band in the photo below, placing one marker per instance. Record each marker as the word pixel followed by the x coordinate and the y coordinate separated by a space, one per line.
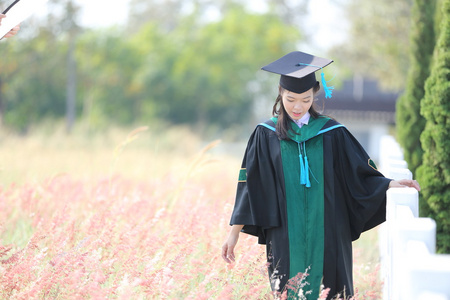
pixel 243 175
pixel 373 165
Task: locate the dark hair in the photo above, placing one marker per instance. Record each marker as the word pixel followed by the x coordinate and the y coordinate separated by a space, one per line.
pixel 283 125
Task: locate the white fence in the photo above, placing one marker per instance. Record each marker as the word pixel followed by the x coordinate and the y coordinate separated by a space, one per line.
pixel 410 268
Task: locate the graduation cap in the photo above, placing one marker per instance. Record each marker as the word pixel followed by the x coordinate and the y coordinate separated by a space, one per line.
pixel 297 70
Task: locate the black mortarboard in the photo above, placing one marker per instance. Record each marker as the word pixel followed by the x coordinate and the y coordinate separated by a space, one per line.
pixel 297 70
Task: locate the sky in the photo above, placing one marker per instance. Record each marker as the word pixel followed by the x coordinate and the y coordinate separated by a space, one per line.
pixel 99 13
pixel 326 19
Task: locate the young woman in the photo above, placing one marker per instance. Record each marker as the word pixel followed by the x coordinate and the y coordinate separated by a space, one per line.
pixel 306 188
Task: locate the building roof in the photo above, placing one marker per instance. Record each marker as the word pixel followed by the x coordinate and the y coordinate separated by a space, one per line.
pixel 361 99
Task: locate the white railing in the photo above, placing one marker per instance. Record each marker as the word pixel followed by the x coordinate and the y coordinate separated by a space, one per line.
pixel 410 269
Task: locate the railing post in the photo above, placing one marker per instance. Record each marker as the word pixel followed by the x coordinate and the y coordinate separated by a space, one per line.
pixel 409 266
pixel 402 206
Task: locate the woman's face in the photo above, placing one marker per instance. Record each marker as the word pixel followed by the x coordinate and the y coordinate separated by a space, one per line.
pixel 296 105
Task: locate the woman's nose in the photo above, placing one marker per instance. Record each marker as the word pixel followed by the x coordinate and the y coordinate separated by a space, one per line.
pixel 297 106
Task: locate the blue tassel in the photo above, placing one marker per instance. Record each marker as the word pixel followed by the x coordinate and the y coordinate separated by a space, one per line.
pixel 302 170
pixel 328 89
pixel 308 183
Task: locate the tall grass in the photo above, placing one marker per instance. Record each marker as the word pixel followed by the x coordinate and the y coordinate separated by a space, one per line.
pixel 45 153
pixel 80 221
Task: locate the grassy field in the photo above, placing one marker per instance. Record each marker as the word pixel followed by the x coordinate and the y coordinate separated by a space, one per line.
pixel 129 215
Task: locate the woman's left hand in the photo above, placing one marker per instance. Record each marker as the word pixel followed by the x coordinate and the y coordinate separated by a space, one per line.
pixel 404 183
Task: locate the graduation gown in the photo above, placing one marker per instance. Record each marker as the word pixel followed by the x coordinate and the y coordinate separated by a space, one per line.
pixel 307 199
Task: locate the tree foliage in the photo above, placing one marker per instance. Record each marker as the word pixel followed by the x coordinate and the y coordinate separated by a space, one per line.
pixel 196 73
pixel 106 66
pixel 377 43
pixel 215 66
pixel 169 13
pixel 410 123
pixel 28 95
pixel 434 173
pixel 177 63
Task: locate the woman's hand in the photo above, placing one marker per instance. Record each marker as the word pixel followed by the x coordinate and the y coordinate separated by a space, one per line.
pixel 404 183
pixel 13 31
pixel 228 247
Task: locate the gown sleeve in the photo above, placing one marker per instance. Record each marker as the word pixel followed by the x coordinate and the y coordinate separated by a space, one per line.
pixel 258 192
pixel 362 185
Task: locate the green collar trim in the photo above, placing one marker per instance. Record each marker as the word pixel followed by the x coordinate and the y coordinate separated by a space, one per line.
pixel 314 128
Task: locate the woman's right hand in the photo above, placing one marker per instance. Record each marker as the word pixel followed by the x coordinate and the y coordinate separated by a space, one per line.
pixel 13 31
pixel 228 246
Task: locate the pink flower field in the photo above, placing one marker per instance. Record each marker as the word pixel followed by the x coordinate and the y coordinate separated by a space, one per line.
pixel 112 237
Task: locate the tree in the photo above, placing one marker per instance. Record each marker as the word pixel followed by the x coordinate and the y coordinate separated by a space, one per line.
pixel 34 82
pixel 378 43
pixel 71 82
pixel 8 68
pixel 168 13
pixel 410 123
pixel 204 70
pixel 34 72
pixel 67 22
pixel 434 173
pixel 106 69
pixel 196 73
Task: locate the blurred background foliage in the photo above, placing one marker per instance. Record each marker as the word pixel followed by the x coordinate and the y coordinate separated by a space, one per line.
pixel 191 62
pixel 194 66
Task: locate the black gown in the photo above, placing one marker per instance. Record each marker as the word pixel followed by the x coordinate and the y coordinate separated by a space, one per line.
pixel 353 201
